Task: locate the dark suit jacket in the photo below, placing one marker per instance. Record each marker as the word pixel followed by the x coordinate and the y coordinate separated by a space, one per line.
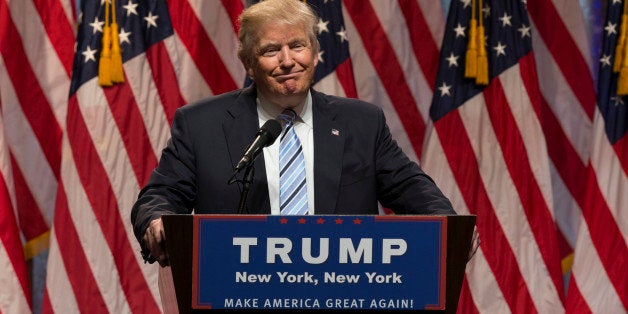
pixel 353 169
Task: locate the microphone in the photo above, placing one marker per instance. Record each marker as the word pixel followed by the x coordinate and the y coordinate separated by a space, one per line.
pixel 266 136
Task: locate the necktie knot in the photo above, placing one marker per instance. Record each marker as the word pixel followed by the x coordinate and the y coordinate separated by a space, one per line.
pixel 287 116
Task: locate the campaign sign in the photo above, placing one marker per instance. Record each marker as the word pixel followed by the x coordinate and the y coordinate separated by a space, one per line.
pixel 319 262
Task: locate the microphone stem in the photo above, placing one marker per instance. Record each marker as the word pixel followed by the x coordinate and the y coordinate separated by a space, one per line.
pixel 246 186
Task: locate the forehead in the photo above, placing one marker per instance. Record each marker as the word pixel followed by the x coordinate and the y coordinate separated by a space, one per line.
pixel 278 33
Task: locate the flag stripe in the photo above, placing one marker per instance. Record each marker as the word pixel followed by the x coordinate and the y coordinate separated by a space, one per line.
pixel 370 88
pixel 571 170
pixel 32 223
pixel 576 303
pixel 10 247
pixel 130 125
pixel 495 175
pixel 606 236
pixel 58 30
pixel 41 118
pixel 560 149
pixel 58 280
pixel 590 277
pixel 41 55
pixel 465 169
pixel 103 202
pixel 528 72
pixel 233 9
pixel 86 292
pixel 479 277
pixel 388 69
pixel 153 112
pixel 560 43
pixel 163 74
pixel 207 60
pixel 223 38
pixel 535 206
pixel 423 44
pixel 465 298
pixel 344 73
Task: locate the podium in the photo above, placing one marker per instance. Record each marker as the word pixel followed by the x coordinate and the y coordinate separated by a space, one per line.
pixel 182 230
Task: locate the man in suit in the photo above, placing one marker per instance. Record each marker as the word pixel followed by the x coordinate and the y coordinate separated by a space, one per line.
pixel 349 159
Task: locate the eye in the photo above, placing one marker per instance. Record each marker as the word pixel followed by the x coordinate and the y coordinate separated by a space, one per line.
pixel 269 51
pixel 298 46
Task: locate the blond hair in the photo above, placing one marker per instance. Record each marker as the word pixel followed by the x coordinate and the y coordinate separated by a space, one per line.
pixel 287 12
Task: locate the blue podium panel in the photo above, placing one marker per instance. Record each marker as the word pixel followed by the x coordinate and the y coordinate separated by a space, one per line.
pixel 319 262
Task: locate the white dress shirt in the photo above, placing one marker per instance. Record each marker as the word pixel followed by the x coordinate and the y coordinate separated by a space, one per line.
pixel 303 126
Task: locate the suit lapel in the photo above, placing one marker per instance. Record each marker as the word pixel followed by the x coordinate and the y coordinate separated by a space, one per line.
pixel 328 149
pixel 239 133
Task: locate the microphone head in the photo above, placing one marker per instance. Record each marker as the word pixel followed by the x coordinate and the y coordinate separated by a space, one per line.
pixel 271 129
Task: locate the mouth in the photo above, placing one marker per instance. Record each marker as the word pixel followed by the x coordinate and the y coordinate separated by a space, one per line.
pixel 287 76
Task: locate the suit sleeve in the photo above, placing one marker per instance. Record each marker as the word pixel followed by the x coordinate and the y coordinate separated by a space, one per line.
pixel 402 185
pixel 171 188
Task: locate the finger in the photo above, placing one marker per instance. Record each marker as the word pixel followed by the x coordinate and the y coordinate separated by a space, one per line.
pixel 153 244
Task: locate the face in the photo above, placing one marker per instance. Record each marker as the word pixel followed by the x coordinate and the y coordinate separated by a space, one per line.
pixel 283 64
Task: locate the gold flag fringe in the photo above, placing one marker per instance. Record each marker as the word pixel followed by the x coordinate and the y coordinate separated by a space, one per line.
pixel 482 77
pixel 621 55
pixel 110 69
pixel 471 68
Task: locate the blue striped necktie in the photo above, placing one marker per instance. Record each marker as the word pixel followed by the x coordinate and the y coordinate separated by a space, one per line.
pixel 292 185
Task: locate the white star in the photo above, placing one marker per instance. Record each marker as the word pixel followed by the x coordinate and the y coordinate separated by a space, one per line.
pixel 130 8
pixel 444 90
pixel 150 20
pixel 89 54
pixel 322 26
pixel 452 59
pixel 525 31
pixel 506 19
pixel 466 3
pixel 605 60
pixel 124 36
pixel 618 100
pixel 342 34
pixel 320 56
pixel 501 49
pixel 97 25
pixel 610 28
pixel 487 11
pixel 459 30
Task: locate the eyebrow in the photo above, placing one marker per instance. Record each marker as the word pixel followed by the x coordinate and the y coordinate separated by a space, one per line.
pixel 275 44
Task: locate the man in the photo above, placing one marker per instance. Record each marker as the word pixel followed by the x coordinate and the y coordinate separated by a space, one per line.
pixel 349 159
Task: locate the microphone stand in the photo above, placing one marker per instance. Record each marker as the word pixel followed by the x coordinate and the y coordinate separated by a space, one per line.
pixel 246 186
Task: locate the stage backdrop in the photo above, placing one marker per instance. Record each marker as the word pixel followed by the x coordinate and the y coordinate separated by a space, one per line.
pixel 534 151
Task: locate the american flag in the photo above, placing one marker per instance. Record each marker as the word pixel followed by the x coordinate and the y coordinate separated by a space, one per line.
pixel 529 153
pixel 36 49
pixel 489 140
pixel 605 202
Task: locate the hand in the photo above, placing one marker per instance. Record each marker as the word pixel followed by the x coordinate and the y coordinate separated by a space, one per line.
pixel 155 241
pixel 475 243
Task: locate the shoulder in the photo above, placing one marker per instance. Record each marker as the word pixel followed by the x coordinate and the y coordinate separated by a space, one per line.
pixel 213 104
pixel 218 108
pixel 345 106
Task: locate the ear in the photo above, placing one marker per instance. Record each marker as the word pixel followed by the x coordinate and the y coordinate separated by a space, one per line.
pixel 250 72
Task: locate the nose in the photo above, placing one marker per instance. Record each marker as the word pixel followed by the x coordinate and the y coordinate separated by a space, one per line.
pixel 285 57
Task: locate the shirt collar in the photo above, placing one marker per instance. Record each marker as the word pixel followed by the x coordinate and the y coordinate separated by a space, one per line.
pixel 268 111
